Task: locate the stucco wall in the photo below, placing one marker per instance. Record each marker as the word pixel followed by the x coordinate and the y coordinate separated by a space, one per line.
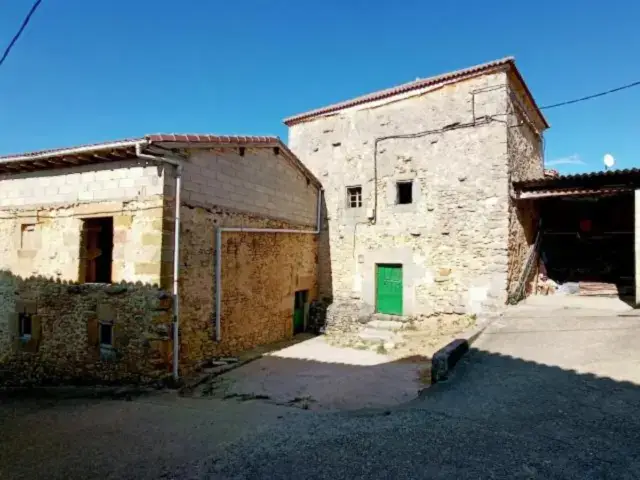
pixel 452 241
pixel 258 182
pixel 260 274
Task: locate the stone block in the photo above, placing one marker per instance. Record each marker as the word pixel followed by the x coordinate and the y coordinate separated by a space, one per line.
pixel 122 221
pixel 152 239
pixel 147 268
pixel 105 312
pixel 162 316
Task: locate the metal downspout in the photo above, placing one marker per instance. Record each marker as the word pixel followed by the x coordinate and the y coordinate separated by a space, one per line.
pixel 176 252
pixel 218 269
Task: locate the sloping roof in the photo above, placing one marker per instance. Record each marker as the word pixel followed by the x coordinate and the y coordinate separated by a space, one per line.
pixel 582 184
pixel 126 149
pixel 456 75
pixel 582 179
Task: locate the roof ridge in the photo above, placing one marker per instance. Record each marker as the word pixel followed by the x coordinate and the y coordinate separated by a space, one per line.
pixel 405 87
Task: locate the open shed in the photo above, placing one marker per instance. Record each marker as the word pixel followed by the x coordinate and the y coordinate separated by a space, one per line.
pixel 588 230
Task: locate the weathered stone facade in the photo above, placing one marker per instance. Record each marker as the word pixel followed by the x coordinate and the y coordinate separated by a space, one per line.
pixel 454 141
pixel 260 274
pixel 42 263
pixel 524 142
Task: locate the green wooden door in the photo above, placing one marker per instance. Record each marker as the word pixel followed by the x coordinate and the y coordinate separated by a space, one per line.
pixel 299 307
pixel 389 289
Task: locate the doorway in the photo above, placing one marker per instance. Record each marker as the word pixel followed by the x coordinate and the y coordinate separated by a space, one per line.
pixel 389 289
pixel 300 311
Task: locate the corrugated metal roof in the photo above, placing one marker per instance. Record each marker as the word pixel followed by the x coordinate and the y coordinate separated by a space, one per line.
pixel 571 192
pixel 456 75
pixel 579 178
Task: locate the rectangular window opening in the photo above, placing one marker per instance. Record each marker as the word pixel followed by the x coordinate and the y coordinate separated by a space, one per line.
pixel 25 327
pixel 106 335
pixel 27 236
pixel 97 250
pixel 354 197
pixel 405 192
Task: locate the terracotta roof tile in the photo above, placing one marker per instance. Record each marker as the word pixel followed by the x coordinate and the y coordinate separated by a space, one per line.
pixel 456 75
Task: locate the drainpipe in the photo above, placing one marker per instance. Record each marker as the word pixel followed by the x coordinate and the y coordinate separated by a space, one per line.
pixel 220 230
pixel 176 251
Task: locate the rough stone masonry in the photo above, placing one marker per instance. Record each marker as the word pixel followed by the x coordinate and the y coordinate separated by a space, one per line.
pixel 460 240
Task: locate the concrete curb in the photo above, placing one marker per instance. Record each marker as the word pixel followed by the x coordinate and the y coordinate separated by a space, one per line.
pixel 443 361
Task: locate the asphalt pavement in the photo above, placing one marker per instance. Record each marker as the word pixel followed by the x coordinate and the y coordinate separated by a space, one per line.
pixel 538 397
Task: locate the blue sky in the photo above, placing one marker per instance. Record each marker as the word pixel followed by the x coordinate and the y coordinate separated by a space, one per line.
pixel 88 71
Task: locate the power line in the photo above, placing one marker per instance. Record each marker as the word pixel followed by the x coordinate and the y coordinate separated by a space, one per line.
pixel 15 38
pixel 589 97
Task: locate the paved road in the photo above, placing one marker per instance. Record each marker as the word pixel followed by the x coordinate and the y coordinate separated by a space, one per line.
pixel 532 400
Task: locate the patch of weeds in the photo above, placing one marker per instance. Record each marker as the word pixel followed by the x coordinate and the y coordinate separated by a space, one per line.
pixel 361 346
pixel 411 326
pixel 380 349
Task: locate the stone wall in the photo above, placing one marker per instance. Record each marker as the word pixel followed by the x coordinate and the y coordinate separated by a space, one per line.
pixel 452 240
pixel 65 318
pixel 124 180
pixel 260 274
pixel 40 257
pixel 526 161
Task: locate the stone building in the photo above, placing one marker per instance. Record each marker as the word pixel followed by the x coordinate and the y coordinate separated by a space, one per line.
pixel 89 284
pixel 417 179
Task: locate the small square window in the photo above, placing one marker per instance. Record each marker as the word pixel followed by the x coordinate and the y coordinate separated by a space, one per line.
pixel 354 197
pixel 25 326
pixel 106 335
pixel 405 192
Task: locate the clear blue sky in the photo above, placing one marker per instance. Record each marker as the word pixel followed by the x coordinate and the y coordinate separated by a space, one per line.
pixel 88 71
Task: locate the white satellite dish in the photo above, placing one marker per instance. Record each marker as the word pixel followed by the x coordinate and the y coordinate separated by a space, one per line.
pixel 609 161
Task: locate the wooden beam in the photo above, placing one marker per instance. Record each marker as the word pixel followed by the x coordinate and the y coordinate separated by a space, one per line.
pixel 70 160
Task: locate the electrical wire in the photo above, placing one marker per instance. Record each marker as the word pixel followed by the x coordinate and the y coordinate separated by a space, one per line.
pixel 589 97
pixel 15 38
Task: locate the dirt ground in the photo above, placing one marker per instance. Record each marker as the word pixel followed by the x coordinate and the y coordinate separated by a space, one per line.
pixel 315 374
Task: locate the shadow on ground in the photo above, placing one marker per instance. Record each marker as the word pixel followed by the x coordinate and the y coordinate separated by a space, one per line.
pixel 497 417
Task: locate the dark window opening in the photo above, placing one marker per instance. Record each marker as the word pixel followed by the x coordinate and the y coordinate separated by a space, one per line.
pixel 25 327
pixel 97 250
pixel 106 334
pixel 354 197
pixel 405 192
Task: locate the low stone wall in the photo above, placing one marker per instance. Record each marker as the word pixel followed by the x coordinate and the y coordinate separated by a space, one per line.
pixel 65 320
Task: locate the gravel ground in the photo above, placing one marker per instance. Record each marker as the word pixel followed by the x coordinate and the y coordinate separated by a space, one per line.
pixel 551 414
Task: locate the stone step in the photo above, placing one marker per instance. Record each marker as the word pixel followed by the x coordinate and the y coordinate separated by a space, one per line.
pixel 390 318
pixel 386 325
pixel 380 336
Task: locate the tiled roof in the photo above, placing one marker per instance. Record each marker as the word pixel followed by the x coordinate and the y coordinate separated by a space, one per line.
pixel 126 149
pixel 157 138
pixel 456 75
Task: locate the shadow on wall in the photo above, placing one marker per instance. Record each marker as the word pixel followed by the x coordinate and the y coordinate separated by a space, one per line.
pixel 318 309
pixel 54 331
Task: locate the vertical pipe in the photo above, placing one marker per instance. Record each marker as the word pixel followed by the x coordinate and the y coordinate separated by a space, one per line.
pixel 176 270
pixel 218 280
